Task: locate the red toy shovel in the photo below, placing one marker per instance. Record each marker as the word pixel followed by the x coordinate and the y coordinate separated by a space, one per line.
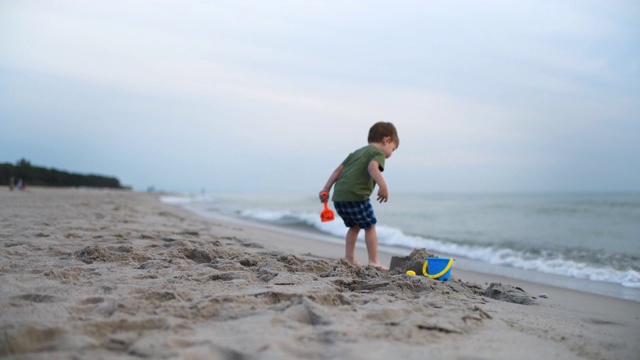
pixel 326 214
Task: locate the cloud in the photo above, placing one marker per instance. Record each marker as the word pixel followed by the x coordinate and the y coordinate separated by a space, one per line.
pixel 499 85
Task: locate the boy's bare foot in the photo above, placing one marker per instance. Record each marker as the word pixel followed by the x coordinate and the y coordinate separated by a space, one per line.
pixel 379 266
pixel 354 262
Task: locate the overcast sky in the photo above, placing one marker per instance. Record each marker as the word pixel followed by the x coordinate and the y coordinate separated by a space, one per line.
pixel 272 95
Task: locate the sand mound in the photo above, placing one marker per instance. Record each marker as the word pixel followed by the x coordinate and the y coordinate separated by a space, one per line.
pixel 508 293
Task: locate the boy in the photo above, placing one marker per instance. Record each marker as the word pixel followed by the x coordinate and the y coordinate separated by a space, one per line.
pixel 354 181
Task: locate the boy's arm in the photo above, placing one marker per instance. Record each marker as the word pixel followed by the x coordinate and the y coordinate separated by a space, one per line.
pixel 376 174
pixel 332 180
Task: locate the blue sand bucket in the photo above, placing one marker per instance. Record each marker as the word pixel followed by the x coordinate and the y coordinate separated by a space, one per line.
pixel 437 268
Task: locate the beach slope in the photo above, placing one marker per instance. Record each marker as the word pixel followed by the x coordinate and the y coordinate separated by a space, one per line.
pixel 118 274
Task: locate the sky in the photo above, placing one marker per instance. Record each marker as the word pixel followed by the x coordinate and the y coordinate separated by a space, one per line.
pixel 271 96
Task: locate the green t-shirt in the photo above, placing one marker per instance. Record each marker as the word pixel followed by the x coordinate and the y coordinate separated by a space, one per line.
pixel 355 183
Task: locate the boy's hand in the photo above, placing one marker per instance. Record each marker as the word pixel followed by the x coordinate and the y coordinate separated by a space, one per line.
pixel 383 195
pixel 323 195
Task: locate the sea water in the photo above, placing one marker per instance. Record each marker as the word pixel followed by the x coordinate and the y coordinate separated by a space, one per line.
pixel 586 241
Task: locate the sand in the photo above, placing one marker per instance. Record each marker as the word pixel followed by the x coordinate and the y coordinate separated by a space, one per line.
pixel 117 274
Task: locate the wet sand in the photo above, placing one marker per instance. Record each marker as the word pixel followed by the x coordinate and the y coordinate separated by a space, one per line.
pixel 118 274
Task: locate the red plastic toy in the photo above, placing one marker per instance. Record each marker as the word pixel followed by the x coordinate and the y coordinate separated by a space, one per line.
pixel 326 214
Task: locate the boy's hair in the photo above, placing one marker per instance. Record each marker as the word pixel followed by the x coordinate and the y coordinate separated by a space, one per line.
pixel 382 129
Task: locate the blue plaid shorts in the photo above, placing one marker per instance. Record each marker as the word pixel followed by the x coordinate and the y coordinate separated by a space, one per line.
pixel 356 213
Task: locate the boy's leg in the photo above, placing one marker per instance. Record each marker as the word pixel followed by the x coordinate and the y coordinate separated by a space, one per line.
pixel 371 239
pixel 350 245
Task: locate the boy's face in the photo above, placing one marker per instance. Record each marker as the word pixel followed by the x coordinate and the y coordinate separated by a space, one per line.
pixel 388 147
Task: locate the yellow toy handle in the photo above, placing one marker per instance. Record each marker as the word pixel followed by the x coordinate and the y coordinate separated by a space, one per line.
pixel 446 268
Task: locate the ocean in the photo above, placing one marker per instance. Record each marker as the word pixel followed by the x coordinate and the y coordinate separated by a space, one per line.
pixel 583 241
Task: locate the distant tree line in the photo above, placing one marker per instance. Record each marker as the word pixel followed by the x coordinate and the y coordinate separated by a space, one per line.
pixel 41 176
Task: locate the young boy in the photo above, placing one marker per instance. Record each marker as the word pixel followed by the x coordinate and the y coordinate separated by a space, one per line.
pixel 354 181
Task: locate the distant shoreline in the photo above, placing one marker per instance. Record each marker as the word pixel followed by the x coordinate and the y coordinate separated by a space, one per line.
pixel 23 173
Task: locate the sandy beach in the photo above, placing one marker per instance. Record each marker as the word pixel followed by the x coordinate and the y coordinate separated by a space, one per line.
pixel 97 274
